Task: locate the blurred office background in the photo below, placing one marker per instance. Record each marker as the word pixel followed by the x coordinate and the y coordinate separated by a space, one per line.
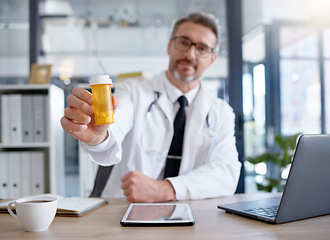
pixel 283 65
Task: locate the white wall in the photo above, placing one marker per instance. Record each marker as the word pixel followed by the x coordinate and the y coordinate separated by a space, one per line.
pixel 305 10
pixel 76 50
pixel 14 48
pixel 256 12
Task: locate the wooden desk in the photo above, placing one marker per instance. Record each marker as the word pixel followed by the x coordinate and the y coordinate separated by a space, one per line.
pixel 211 223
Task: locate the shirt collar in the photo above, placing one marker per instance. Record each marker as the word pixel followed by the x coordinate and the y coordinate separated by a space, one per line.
pixel 174 93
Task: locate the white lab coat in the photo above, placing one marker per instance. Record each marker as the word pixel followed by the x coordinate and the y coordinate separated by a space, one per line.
pixel 209 166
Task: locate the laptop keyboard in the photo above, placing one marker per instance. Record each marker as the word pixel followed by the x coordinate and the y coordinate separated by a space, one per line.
pixel 264 211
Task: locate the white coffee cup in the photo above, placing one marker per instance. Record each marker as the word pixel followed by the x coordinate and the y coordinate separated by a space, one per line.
pixel 34 213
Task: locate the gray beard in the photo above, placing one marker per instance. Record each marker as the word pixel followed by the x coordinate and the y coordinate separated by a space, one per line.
pixel 177 76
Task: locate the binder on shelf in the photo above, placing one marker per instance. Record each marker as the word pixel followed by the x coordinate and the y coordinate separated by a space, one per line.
pixel 26 171
pixel 39 103
pixel 38 172
pixel 5 133
pixel 15 117
pixel 27 114
pixel 14 174
pixel 4 175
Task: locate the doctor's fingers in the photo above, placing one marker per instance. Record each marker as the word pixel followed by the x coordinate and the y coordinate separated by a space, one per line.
pixel 132 177
pixel 132 194
pixel 128 183
pixel 79 104
pixel 115 102
pixel 83 95
pixel 77 116
pixel 130 180
pixel 71 126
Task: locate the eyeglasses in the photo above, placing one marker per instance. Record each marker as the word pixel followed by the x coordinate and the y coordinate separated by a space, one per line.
pixel 183 44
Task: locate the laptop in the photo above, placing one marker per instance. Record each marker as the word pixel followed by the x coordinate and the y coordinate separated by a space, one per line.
pixel 307 190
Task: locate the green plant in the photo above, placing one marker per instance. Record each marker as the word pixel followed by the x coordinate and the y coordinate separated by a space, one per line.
pixel 281 159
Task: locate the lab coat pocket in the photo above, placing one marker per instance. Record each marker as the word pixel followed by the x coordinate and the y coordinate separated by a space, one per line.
pixel 206 142
pixel 156 133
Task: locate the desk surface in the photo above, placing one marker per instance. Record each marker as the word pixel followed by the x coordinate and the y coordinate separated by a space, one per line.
pixel 211 223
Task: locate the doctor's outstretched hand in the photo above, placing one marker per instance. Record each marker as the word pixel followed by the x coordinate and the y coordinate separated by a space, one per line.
pixel 141 188
pixel 78 119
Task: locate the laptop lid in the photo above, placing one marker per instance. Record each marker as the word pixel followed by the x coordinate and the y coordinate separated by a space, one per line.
pixel 307 191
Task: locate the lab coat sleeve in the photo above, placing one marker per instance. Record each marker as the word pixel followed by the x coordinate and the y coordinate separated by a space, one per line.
pixel 107 153
pixel 219 175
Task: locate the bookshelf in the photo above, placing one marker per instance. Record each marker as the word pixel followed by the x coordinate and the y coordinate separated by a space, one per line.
pixel 31 140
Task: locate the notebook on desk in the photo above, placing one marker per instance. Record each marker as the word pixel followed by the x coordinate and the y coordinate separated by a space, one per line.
pixel 67 206
pixel 307 190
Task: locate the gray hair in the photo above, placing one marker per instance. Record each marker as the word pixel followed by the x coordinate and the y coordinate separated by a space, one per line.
pixel 205 19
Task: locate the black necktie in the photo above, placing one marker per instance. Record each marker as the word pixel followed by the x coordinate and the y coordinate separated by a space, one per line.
pixel 174 155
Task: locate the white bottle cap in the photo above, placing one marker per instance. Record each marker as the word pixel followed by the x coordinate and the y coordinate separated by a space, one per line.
pixel 100 79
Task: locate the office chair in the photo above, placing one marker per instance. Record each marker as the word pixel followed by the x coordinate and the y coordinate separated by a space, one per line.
pixel 101 178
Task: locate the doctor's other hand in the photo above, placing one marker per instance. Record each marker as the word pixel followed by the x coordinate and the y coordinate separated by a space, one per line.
pixel 78 119
pixel 141 188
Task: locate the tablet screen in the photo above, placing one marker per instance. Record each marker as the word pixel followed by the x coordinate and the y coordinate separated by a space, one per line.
pixel 158 214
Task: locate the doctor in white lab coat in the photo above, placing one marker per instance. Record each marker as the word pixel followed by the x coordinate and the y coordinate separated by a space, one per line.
pixel 139 140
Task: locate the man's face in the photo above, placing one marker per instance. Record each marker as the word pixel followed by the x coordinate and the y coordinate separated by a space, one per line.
pixel 187 66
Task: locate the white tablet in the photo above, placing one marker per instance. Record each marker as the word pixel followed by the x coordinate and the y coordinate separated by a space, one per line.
pixel 158 214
